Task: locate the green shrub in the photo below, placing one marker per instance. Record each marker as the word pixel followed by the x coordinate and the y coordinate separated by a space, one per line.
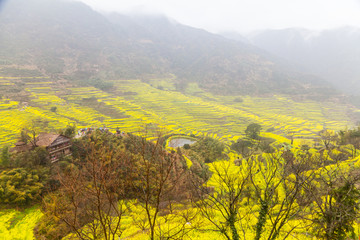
pixel 253 131
pixel 20 186
pixel 5 156
pixel 238 99
pixel 270 129
pixel 209 149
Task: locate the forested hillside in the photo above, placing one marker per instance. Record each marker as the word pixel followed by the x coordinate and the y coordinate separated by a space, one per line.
pixel 125 186
pixel 69 40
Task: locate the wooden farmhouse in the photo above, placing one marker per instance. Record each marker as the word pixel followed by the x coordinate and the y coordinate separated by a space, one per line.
pixel 57 145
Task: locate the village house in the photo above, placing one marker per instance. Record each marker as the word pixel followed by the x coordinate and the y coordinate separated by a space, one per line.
pixel 57 145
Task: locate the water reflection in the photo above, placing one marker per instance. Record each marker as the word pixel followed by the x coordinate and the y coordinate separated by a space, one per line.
pixel 180 142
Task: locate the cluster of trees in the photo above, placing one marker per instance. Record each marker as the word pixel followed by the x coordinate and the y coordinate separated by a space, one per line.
pixel 252 142
pixel 25 177
pixel 263 194
pixel 20 187
pixel 207 150
pixel 305 190
pixel 110 177
pixel 281 194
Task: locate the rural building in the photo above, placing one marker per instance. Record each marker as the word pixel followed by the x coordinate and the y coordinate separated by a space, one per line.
pixel 57 145
pixel 21 147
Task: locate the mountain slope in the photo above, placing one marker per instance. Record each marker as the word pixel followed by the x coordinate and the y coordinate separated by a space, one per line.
pixel 333 54
pixel 69 40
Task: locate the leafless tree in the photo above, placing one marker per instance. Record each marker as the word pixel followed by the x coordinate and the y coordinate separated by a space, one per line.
pixel 89 197
pixel 278 185
pixel 32 131
pixel 222 196
pixel 160 183
pixel 326 137
pixel 334 194
pixel 273 181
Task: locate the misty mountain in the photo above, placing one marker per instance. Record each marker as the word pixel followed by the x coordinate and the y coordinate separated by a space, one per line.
pixel 332 54
pixel 69 40
pixel 235 36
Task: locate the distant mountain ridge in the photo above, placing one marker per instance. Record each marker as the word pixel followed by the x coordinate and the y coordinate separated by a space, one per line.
pixel 64 39
pixel 332 54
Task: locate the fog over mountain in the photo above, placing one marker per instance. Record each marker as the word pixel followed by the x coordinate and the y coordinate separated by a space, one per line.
pixel 310 35
pixel 69 40
pixel 245 15
pixel 332 54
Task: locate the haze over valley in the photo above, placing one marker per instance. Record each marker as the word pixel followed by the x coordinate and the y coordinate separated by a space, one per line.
pixel 140 120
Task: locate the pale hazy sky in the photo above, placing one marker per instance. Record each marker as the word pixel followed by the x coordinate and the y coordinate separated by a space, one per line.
pixel 244 15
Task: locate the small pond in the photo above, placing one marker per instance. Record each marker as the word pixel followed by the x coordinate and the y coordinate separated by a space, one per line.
pixel 180 142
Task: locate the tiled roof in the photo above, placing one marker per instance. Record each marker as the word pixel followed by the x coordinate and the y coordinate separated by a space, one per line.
pixel 46 139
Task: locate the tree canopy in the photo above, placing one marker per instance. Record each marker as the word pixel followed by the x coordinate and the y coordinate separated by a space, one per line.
pixel 253 131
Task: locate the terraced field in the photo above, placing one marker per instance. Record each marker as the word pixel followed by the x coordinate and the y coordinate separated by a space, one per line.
pixel 134 104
